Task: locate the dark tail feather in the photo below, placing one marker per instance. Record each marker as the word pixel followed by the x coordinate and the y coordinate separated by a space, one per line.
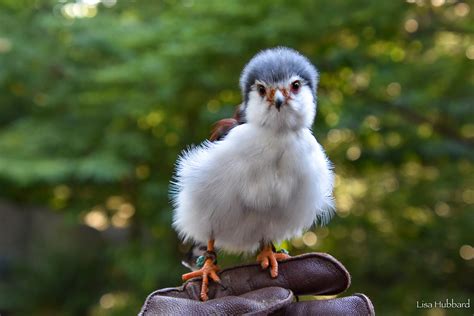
pixel 223 127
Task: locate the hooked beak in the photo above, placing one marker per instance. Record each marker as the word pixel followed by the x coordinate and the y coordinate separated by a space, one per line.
pixel 279 99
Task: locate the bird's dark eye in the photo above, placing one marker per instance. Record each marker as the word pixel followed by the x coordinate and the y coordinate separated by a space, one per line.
pixel 261 90
pixel 295 86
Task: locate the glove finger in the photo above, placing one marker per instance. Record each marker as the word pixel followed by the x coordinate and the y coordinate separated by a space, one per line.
pixel 313 273
pixel 258 302
pixel 357 304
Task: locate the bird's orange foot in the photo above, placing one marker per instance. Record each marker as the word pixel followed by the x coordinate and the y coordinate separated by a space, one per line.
pixel 209 270
pixel 268 257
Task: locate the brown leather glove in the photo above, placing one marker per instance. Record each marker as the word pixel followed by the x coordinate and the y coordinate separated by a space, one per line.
pixel 248 290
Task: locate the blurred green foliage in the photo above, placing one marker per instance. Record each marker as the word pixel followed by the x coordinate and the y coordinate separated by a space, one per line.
pixel 98 99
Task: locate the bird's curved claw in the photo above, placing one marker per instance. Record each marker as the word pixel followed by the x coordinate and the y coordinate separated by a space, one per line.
pixel 268 257
pixel 209 270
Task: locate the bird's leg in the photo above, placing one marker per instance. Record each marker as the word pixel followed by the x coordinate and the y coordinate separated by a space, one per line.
pixel 269 257
pixel 208 270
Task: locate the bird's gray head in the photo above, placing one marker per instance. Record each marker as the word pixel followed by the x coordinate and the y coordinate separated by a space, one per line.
pixel 279 89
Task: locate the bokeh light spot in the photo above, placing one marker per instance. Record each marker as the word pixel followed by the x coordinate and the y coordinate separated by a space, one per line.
pixel 373 122
pixel 353 153
pixel 462 9
pixel 79 10
pixel 109 3
pixel 113 202
pixel 466 252
pixel 437 3
pixel 394 89
pixel 5 45
pixel 107 301
pixel 442 209
pixel 154 118
pixel 332 119
pixel 126 210
pixel 393 139
pixel 397 54
pixel 468 196
pixel 97 219
pixel 425 130
pixel 468 130
pixel 334 136
pixel 119 222
pixel 62 192
pixel 411 25
pixel 344 204
pixel 470 52
pixel 310 239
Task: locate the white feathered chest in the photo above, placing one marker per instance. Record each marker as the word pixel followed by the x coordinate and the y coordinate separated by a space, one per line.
pixel 254 186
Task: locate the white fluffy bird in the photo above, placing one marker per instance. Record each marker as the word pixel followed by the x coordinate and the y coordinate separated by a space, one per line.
pixel 264 178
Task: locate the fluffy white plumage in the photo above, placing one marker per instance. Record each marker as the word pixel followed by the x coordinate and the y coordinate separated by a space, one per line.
pixel 267 180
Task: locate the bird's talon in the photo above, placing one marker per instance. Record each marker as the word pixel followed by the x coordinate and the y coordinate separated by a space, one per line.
pixel 208 270
pixel 264 263
pixel 281 256
pixel 268 257
pixel 273 273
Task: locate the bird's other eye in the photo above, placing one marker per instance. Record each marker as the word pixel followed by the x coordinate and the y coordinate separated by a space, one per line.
pixel 295 86
pixel 261 90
